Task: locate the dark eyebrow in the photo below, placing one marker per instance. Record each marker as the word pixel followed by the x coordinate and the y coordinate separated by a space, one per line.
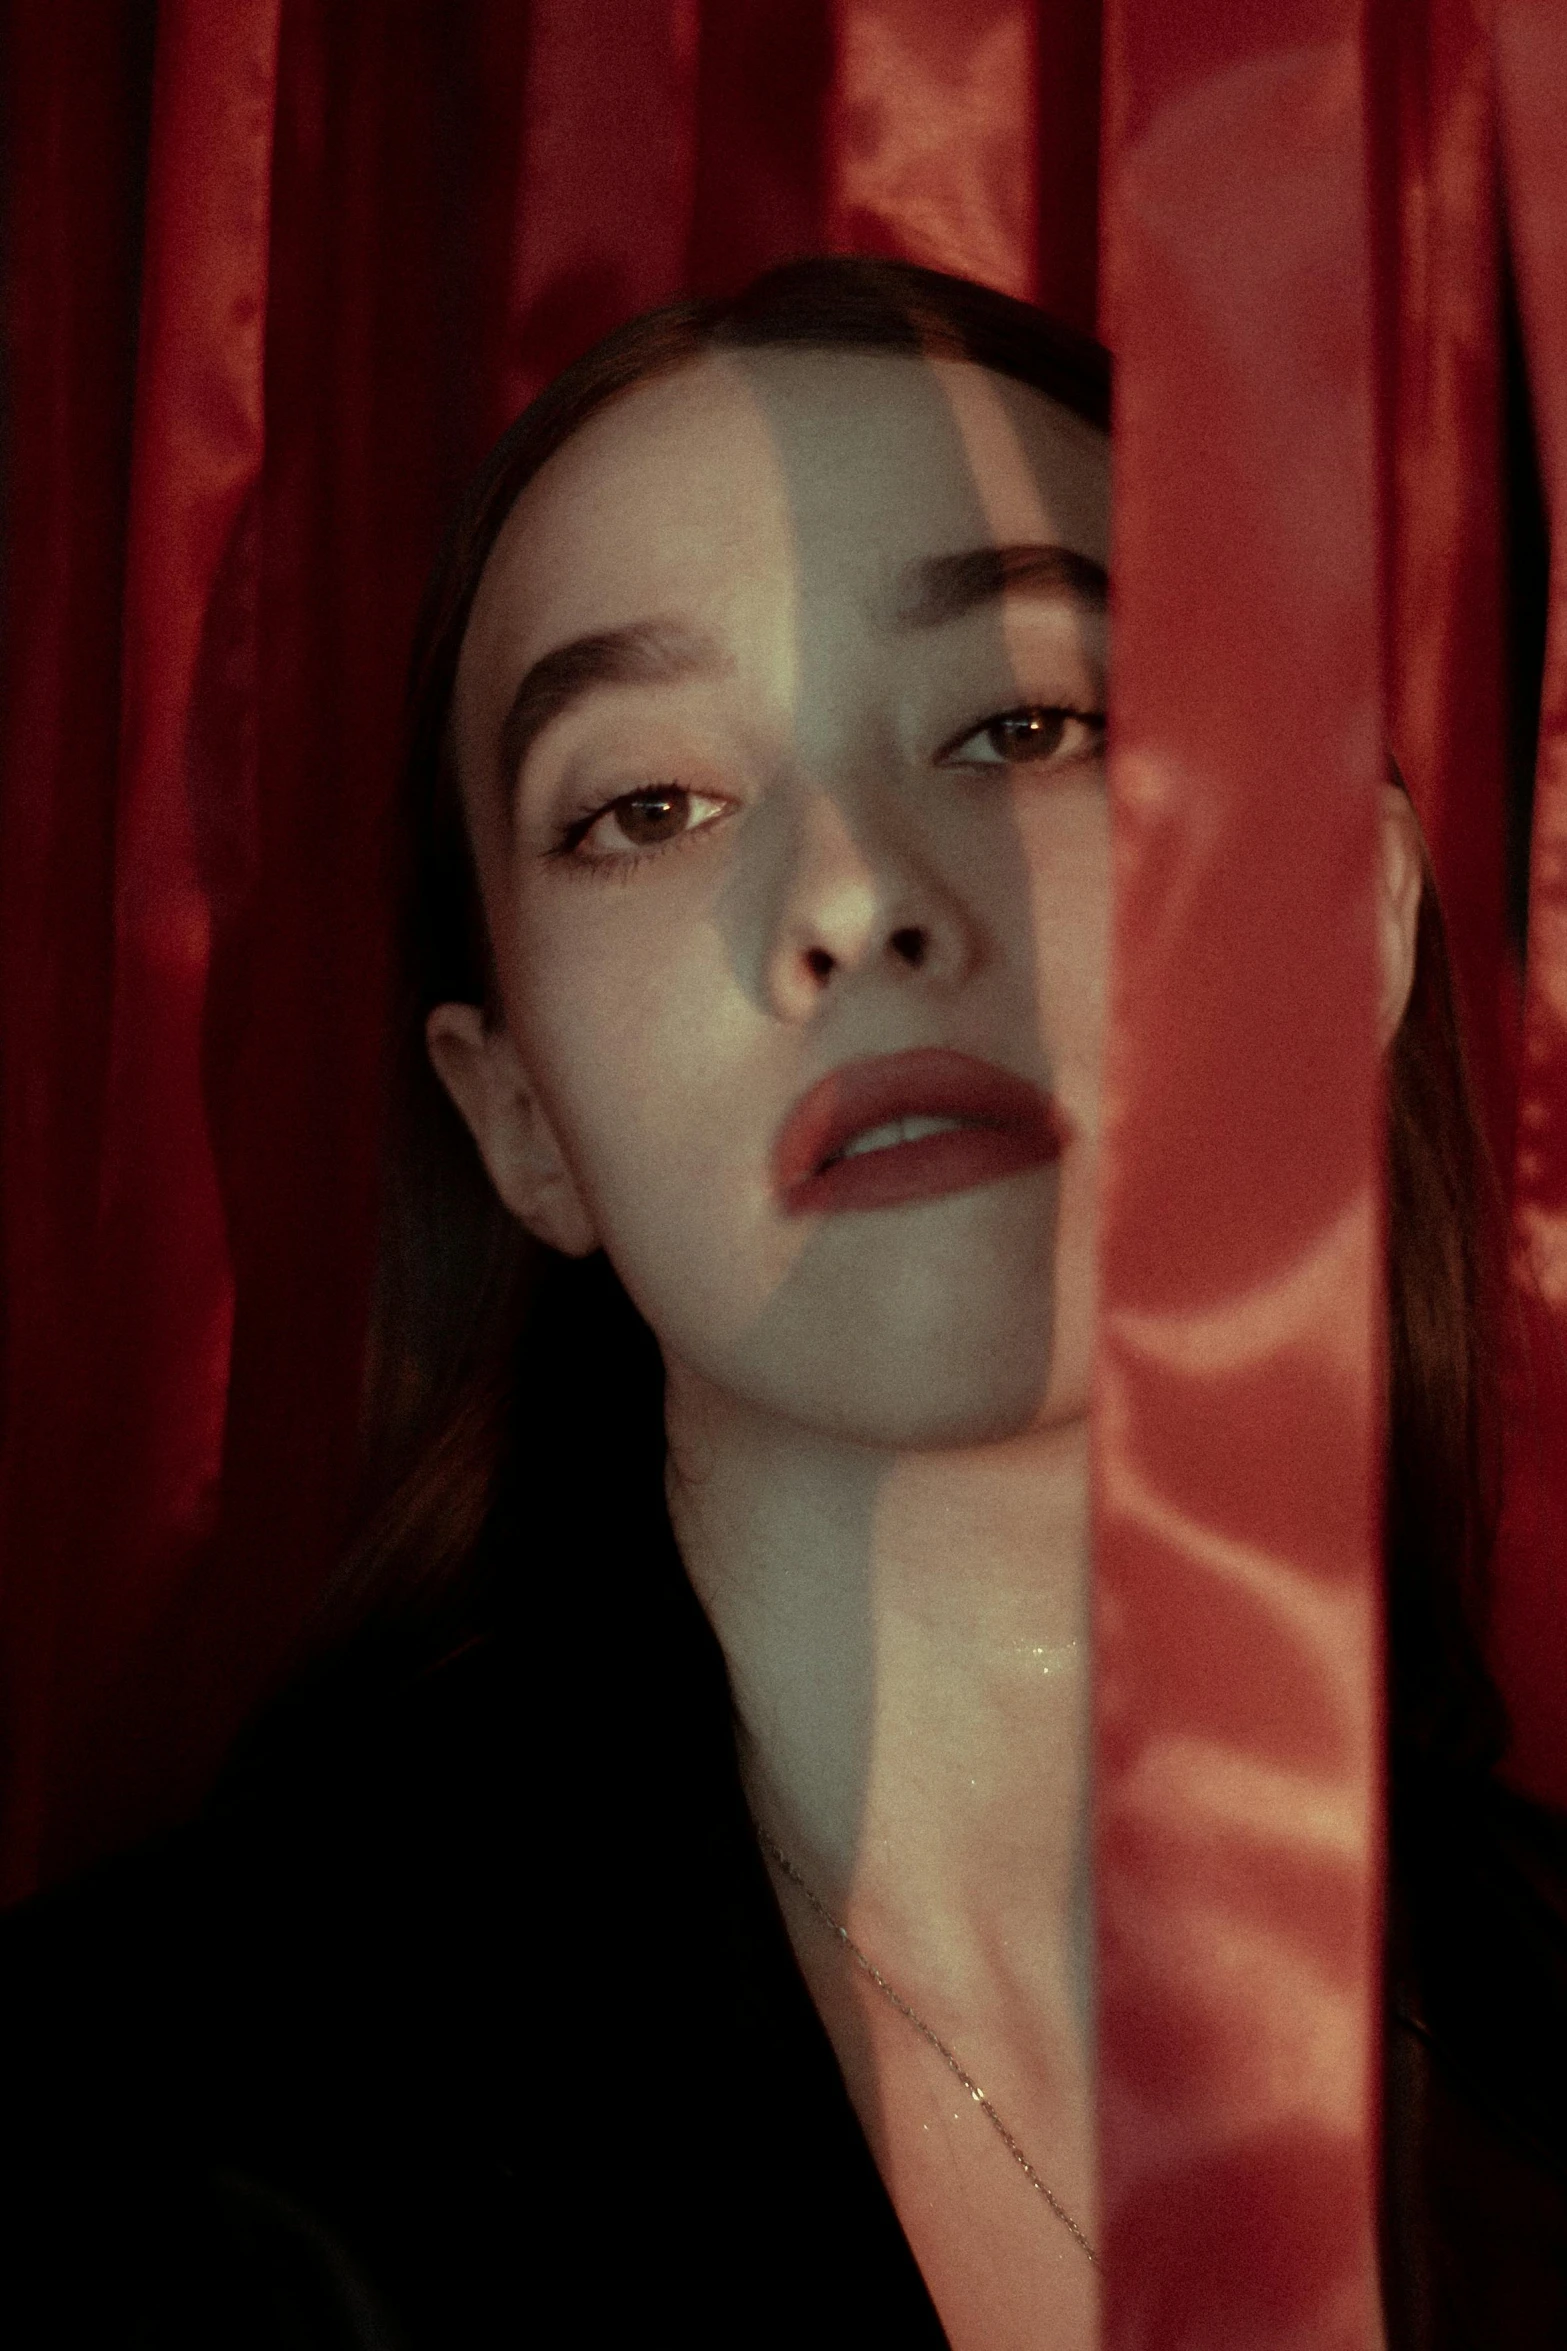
pixel 649 653
pixel 945 587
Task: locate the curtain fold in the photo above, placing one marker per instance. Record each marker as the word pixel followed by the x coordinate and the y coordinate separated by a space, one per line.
pixel 185 816
pixel 1238 1453
pixel 604 202
pixel 1436 213
pixel 76 147
pixel 1531 1581
pixel 150 1279
pixel 933 136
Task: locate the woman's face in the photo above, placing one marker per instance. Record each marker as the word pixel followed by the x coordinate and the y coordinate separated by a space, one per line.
pixel 780 726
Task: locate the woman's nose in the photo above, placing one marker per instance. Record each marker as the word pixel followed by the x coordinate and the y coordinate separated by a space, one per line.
pixel 858 907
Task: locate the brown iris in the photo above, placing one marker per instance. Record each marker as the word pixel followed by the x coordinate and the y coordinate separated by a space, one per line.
pixel 1027 734
pixel 646 818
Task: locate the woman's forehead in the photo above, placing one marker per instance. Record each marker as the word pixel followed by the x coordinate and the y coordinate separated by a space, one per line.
pixel 746 476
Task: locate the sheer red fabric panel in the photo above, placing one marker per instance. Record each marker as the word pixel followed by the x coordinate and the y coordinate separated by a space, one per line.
pixel 1237 1655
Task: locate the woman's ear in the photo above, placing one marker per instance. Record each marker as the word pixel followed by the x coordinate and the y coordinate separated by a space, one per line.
pixel 479 1067
pixel 1398 914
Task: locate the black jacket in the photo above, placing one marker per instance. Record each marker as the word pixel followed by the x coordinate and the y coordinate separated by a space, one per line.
pixel 460 2021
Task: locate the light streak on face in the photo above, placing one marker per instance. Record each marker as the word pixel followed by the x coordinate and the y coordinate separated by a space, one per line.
pixel 779 719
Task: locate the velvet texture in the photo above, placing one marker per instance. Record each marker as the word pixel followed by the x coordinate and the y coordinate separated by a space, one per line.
pixel 275 275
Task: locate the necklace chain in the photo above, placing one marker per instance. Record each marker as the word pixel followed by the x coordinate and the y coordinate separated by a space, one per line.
pixel 904 2009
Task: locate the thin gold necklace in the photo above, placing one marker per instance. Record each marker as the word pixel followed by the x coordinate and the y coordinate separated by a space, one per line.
pixel 934 2038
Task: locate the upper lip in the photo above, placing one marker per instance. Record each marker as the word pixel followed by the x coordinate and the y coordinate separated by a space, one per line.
pixel 930 1081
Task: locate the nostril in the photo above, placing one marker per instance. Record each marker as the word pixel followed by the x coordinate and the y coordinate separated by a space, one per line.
pixel 911 944
pixel 819 963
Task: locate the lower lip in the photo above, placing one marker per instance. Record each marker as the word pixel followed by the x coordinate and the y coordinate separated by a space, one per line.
pixel 958 1160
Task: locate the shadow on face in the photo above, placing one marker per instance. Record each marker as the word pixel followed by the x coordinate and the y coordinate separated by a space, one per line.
pixel 780 724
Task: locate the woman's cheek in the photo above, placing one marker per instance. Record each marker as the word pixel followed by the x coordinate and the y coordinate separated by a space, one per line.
pixel 1071 953
pixel 626 1039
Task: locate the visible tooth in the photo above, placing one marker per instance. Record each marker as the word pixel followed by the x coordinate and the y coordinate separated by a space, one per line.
pixel 897 1130
pixel 874 1139
pixel 914 1129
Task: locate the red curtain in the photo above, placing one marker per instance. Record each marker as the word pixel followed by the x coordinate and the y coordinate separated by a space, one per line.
pixel 275 274
pixel 254 344
pixel 1530 1636
pixel 1238 1428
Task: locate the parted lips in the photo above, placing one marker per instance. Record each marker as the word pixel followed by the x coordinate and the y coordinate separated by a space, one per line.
pixel 993 1123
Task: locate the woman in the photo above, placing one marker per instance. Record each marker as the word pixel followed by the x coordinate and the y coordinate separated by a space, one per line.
pixel 710 1816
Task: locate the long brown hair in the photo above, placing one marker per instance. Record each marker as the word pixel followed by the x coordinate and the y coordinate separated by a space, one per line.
pixel 467 1305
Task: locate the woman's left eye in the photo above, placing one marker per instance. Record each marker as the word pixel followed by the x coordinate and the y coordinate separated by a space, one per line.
pixel 656 817
pixel 1021 738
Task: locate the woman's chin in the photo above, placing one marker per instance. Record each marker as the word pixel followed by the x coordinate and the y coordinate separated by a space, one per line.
pixel 923 1392
pixel 931 1327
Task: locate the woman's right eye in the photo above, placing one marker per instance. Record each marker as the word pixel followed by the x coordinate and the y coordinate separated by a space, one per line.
pixel 656 817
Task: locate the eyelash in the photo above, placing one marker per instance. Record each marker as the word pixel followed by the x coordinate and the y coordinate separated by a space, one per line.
pixel 566 849
pixel 1027 710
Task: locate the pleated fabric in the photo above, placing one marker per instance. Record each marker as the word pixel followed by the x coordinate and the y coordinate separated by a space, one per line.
pixel 77 147
pixel 136 1418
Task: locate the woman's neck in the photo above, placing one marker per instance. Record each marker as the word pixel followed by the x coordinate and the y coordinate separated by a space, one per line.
pixel 907 1641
